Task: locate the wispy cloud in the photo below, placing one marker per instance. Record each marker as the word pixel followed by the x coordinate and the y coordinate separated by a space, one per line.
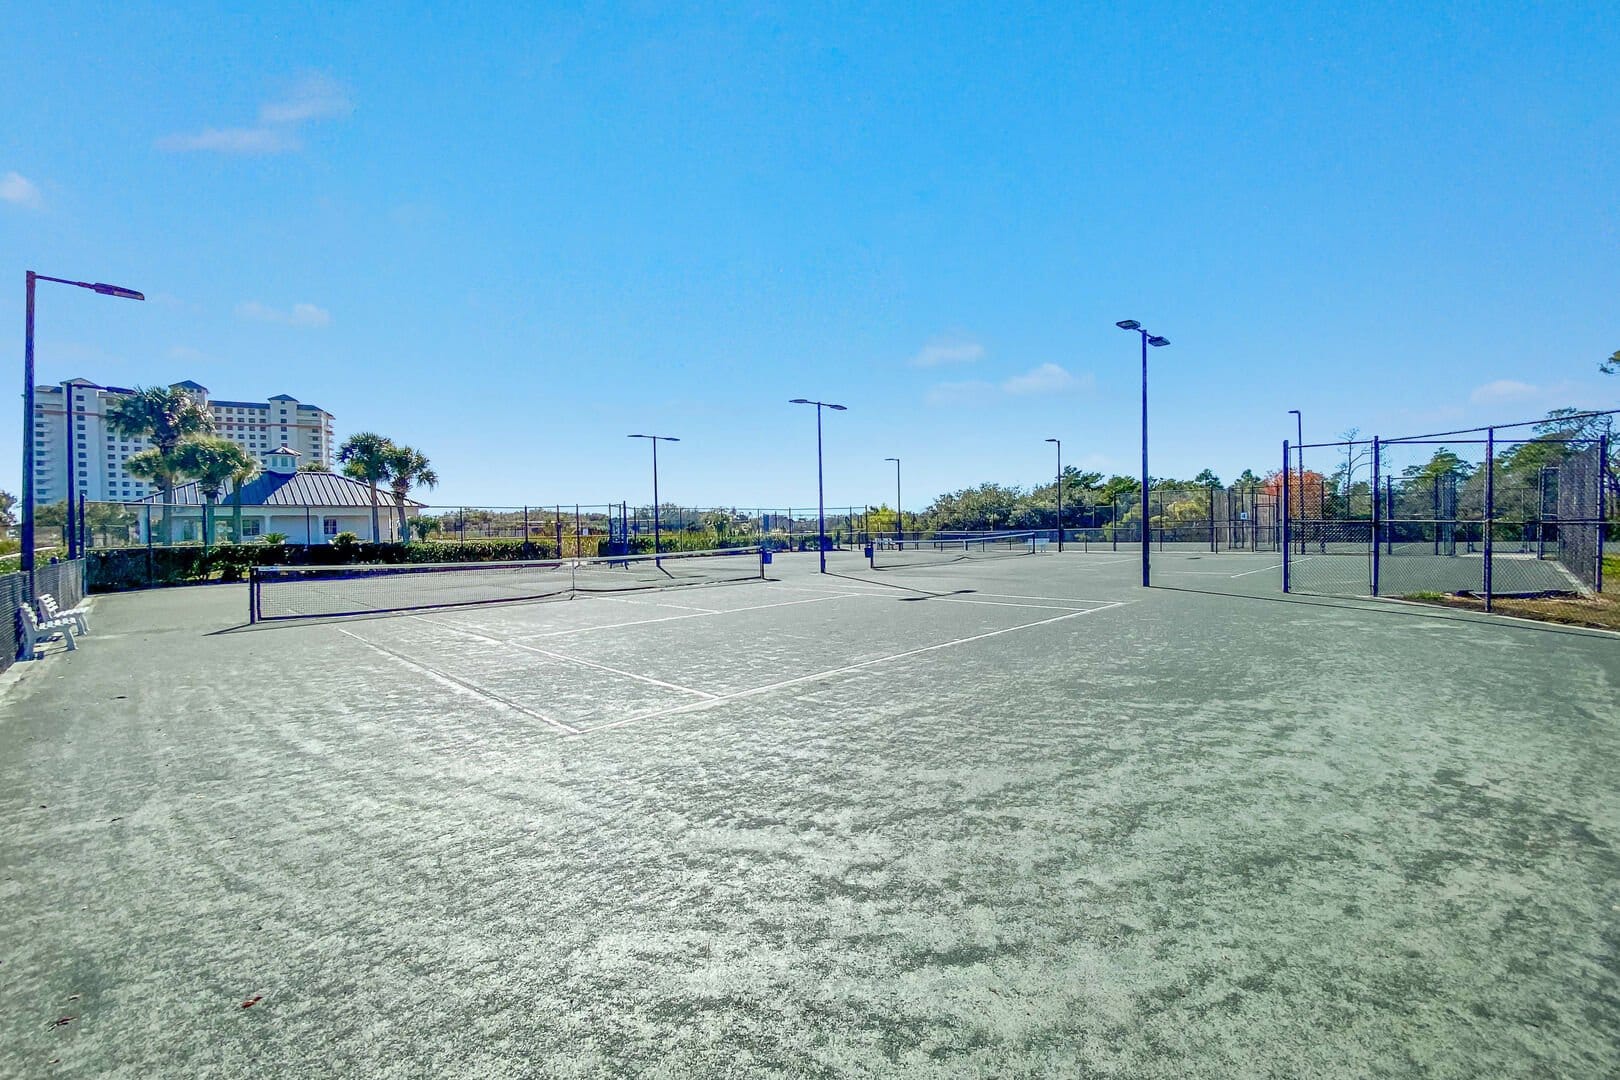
pixel 957 393
pixel 943 351
pixel 1502 391
pixel 302 315
pixel 18 190
pixel 255 140
pixel 311 97
pixel 1047 379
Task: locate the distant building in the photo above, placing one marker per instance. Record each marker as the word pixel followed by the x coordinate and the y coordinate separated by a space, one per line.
pixel 305 507
pixel 99 452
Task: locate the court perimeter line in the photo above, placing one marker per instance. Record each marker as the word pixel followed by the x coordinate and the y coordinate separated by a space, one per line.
pixel 1263 569
pixel 456 684
pixel 698 706
pixel 475 635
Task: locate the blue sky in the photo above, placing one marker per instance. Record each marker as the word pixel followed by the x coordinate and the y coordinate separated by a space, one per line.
pixel 511 236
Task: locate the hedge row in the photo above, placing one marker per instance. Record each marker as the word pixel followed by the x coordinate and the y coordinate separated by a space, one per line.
pixel 115 569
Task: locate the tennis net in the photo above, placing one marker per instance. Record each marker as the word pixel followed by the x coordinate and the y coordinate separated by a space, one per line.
pixel 891 551
pixel 301 592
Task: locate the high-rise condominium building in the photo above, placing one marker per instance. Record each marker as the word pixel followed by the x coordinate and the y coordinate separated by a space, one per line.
pixel 98 452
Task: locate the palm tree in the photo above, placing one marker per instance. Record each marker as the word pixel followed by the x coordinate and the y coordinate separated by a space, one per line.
pixel 163 472
pixel 365 458
pixel 163 415
pixel 408 467
pixel 215 462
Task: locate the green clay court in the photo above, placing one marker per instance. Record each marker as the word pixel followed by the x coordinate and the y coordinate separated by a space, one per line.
pixel 1009 818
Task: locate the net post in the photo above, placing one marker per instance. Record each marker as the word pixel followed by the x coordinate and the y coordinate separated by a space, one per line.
pixel 1376 517
pixel 525 547
pixel 253 595
pixel 1490 507
pixel 1287 541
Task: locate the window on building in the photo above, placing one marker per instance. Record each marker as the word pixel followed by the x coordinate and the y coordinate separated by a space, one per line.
pixel 251 526
pixel 329 527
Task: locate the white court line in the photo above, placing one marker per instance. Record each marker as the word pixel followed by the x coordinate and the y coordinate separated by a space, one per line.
pixel 1262 570
pixel 820 675
pixel 998 603
pixel 458 685
pixel 654 603
pixel 1057 599
pixel 570 659
pixel 674 618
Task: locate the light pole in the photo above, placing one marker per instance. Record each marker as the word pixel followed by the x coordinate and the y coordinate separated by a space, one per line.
pixel 27 531
pixel 1156 342
pixel 899 517
pixel 1059 492
pixel 821 501
pixel 655 440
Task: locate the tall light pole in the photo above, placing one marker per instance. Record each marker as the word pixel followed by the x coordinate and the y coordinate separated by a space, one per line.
pixel 655 440
pixel 1059 491
pixel 899 516
pixel 1156 342
pixel 27 532
pixel 821 499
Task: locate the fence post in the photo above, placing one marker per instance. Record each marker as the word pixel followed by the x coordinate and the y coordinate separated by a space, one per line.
pixel 150 569
pixel 1287 541
pixel 1375 515
pixel 1490 506
pixel 1602 503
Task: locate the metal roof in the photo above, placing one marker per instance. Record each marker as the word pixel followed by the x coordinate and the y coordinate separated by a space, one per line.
pixel 319 489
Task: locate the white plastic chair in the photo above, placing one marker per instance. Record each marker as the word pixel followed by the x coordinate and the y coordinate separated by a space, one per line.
pixel 53 612
pixel 36 633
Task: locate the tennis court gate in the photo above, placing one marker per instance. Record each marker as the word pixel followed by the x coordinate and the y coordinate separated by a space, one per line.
pixel 1510 510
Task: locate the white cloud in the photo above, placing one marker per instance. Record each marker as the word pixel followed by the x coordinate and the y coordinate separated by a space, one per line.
pixel 255 140
pixel 18 190
pixel 944 351
pixel 1503 390
pixel 1047 379
pixel 312 97
pixel 303 315
pixel 958 393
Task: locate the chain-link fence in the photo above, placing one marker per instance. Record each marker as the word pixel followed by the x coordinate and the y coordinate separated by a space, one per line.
pixel 1522 510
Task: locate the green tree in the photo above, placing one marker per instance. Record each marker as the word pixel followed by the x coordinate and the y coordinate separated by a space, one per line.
pixel 214 462
pixel 1611 366
pixel 407 468
pixel 315 466
pixel 163 472
pixel 163 415
pixel 365 458
pixel 1207 478
pixel 7 518
pixel 1246 479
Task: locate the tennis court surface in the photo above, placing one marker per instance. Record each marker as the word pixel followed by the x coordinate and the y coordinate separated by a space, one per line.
pixel 1010 817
